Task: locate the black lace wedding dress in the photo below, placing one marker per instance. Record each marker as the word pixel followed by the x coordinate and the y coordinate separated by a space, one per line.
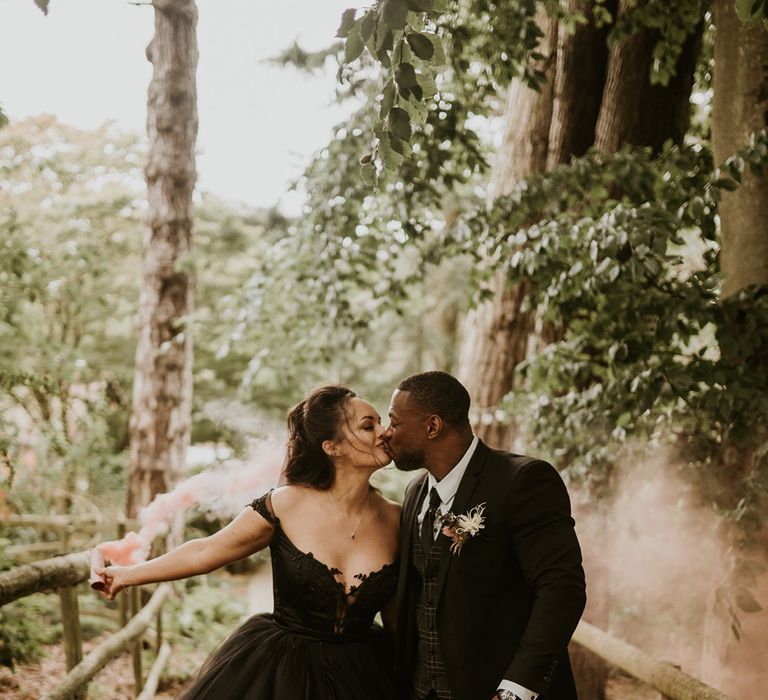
pixel 320 643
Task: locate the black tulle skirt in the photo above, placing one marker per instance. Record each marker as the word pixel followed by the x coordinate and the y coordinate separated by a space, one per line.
pixel 262 661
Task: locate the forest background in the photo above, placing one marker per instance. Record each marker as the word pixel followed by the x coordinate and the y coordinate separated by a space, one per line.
pixel 562 203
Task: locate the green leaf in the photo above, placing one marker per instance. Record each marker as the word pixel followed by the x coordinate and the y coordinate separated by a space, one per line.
pixel 405 76
pixel 367 25
pixel 390 158
pixel 420 45
pixel 417 110
pixel 426 85
pixel 420 5
pixel 725 183
pixel 3 118
pixel 387 99
pixel 438 57
pixel 393 13
pixel 400 123
pixel 347 22
pixel 384 41
pixel 748 10
pixel 368 173
pixel 402 147
pixel 43 5
pixel 407 81
pixel 355 45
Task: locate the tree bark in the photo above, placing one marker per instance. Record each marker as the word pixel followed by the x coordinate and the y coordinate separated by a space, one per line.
pixel 162 390
pixel 633 110
pixel 44 575
pixel 582 61
pixel 740 107
pixel 496 332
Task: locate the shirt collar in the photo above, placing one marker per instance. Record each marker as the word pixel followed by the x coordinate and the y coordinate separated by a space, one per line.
pixel 449 484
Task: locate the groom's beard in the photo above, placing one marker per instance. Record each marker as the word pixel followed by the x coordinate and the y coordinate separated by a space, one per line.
pixel 410 460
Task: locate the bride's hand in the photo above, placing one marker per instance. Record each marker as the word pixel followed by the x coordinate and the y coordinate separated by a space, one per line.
pixel 114 578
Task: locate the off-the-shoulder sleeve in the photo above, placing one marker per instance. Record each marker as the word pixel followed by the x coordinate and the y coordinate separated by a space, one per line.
pixel 263 506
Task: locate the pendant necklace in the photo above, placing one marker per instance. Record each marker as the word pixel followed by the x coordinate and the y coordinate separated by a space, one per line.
pixel 352 532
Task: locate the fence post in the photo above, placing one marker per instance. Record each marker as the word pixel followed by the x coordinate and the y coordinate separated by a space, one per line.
pixel 122 597
pixel 70 621
pixel 159 629
pixel 134 598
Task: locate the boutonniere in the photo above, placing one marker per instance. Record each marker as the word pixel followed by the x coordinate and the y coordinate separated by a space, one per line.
pixel 460 528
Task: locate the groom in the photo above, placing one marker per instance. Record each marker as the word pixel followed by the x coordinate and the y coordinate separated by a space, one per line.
pixel 483 612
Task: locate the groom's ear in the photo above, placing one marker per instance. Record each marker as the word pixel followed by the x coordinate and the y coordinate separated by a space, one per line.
pixel 434 426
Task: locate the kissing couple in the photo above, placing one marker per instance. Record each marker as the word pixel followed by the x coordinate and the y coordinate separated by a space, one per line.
pixel 478 577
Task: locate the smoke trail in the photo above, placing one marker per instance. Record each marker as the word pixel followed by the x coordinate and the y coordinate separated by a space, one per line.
pixel 222 492
pixel 655 555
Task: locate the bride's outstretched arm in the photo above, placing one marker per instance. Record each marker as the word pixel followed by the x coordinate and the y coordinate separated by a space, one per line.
pixel 246 534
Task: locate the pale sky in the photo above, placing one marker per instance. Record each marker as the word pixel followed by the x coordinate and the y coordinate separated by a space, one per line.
pixel 85 63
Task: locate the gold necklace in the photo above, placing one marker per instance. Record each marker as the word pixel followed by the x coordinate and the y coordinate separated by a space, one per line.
pixel 352 532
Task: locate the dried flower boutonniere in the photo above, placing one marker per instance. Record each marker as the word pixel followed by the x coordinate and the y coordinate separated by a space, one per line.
pixel 460 528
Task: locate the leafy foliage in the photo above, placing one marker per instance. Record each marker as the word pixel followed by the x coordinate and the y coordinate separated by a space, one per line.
pixel 750 10
pixel 670 24
pixel 67 203
pixel 622 251
pixel 26 625
pixel 483 44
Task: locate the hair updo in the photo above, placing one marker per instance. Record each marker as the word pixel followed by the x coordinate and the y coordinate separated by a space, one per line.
pixel 317 418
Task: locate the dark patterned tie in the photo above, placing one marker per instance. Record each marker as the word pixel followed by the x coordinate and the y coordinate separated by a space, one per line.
pixel 428 524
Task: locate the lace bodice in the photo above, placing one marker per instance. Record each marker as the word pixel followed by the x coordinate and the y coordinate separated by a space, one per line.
pixel 309 598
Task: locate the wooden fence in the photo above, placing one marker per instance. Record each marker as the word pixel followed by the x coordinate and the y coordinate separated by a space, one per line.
pixel 669 680
pixel 64 573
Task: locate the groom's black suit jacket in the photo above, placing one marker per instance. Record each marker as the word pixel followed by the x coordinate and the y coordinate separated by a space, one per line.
pixel 508 604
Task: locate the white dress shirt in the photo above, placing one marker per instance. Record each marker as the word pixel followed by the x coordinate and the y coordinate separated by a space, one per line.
pixel 446 488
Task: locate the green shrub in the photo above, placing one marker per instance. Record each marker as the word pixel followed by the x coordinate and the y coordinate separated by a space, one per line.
pixel 25 626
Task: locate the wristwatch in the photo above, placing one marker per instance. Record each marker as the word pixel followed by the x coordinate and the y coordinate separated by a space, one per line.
pixel 507 695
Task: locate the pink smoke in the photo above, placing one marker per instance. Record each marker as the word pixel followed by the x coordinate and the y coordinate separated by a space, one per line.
pixel 655 554
pixel 221 492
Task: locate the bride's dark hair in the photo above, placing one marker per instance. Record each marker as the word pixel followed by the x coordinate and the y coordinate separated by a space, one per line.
pixel 317 418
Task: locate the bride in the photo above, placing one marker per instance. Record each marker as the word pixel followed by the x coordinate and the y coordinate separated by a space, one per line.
pixel 334 547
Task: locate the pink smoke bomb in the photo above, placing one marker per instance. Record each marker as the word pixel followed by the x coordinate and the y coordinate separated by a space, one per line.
pixel 97 581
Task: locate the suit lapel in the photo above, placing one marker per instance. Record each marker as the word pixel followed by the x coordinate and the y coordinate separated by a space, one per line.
pixel 466 487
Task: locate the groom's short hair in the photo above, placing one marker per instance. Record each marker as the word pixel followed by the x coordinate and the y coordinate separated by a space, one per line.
pixel 439 393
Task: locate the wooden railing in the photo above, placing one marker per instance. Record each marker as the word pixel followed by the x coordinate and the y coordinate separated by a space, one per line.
pixel 669 680
pixel 63 574
pixel 83 672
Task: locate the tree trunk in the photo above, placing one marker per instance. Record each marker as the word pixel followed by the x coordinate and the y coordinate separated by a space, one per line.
pixel 496 332
pixel 634 111
pixel 582 60
pixel 162 390
pixel 740 107
pixel 547 128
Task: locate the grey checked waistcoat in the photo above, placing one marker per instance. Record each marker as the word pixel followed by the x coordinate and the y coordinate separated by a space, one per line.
pixel 431 674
